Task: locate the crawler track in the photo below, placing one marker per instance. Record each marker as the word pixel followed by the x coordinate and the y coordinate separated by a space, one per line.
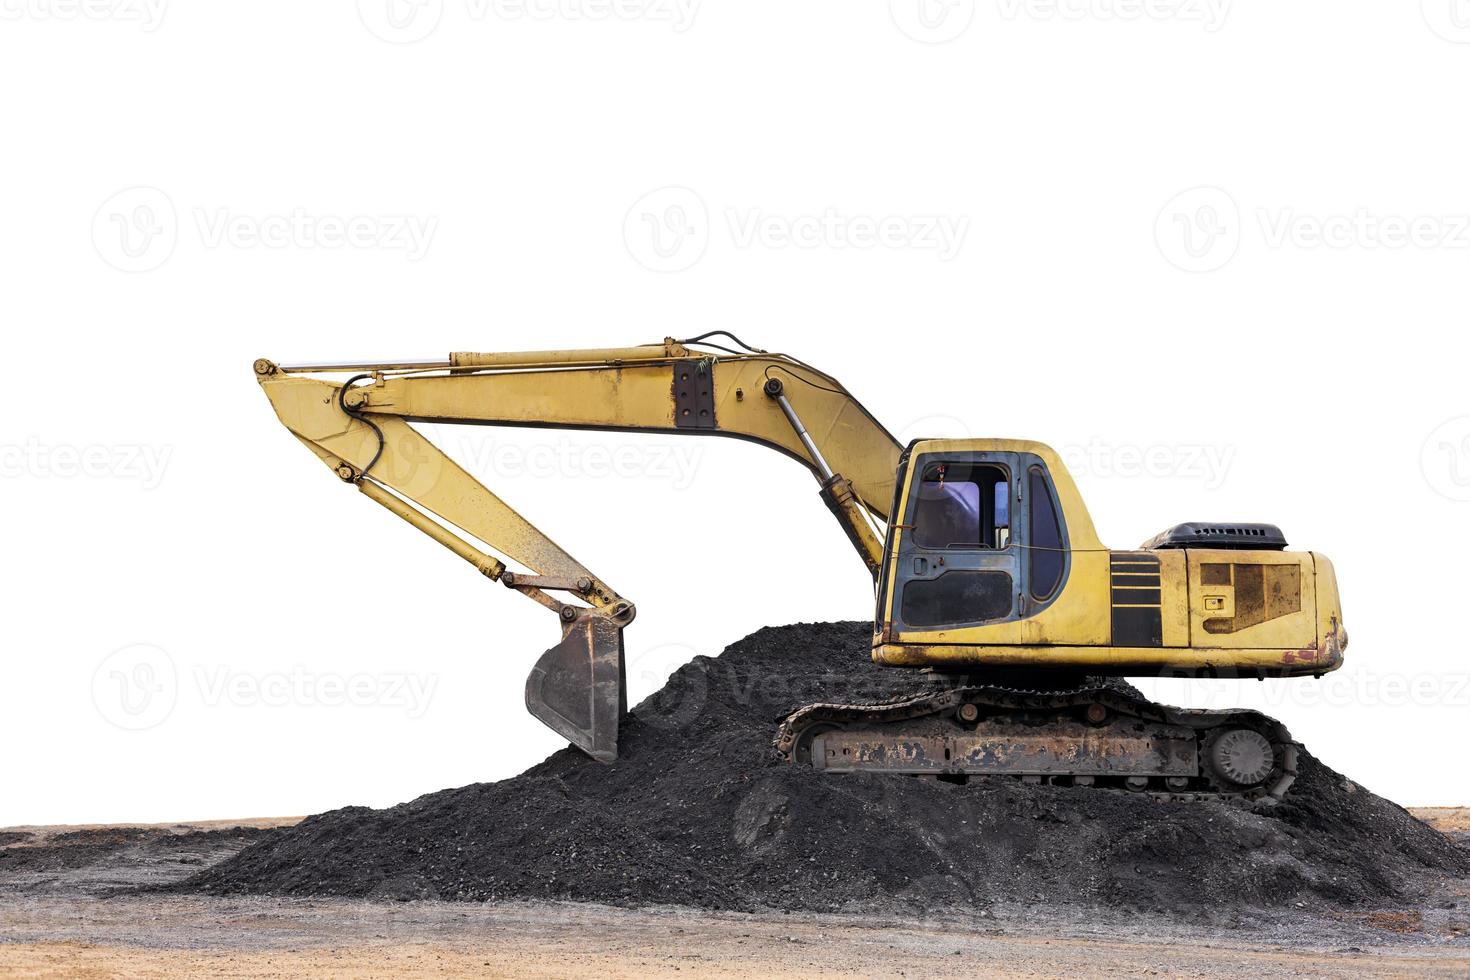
pixel 1097 737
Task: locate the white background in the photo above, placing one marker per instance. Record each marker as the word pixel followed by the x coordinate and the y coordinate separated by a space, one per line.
pixel 1216 254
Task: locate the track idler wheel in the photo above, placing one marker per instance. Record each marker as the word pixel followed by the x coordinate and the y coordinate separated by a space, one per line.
pixel 1239 757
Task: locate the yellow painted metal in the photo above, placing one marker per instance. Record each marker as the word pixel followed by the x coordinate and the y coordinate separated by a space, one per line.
pixel 1259 613
pixel 1290 628
pixel 1075 630
pixel 625 388
pixel 418 471
pixel 1119 661
pixel 1329 603
pixel 605 357
pixel 841 497
pixel 488 566
pixel 1080 615
pixel 637 397
pixel 1174 597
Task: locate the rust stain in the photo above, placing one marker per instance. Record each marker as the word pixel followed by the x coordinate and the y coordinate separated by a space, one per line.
pixel 1306 655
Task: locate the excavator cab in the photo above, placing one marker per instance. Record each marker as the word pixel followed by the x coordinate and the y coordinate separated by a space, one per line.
pixel 980 541
pixel 992 560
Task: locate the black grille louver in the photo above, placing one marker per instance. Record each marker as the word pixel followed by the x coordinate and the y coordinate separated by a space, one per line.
pixel 1257 537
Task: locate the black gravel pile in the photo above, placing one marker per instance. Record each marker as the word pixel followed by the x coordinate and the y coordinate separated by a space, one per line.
pixel 698 812
pixel 108 860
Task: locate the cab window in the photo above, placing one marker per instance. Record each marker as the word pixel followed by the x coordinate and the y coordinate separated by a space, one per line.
pixel 961 505
pixel 1046 549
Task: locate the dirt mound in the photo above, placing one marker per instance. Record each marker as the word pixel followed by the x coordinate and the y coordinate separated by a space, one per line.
pixel 699 812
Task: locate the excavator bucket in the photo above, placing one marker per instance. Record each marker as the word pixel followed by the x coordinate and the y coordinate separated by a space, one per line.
pixel 577 688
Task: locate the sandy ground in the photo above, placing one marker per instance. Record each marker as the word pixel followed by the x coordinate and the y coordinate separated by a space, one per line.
pixel 56 920
pixel 276 938
pixel 1451 820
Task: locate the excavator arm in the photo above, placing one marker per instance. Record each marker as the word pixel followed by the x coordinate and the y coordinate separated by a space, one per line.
pixel 359 427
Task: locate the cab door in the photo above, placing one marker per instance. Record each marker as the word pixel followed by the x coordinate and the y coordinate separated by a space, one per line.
pixel 959 564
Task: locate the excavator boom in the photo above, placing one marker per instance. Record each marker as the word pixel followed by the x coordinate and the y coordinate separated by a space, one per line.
pixel 359 426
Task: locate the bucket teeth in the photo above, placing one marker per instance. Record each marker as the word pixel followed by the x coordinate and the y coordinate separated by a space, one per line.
pixel 577 688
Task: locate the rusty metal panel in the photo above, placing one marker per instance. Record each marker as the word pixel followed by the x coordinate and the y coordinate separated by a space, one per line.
pixel 1014 750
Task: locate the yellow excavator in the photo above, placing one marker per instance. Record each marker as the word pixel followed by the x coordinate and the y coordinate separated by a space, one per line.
pixel 988 571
